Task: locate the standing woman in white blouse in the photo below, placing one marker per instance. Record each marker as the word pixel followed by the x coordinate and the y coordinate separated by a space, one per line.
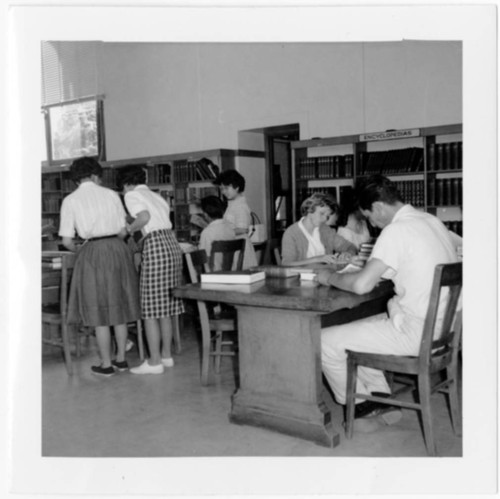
pixel 104 287
pixel 161 267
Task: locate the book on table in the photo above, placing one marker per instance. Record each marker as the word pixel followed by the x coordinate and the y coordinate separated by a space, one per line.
pixel 53 259
pixel 234 277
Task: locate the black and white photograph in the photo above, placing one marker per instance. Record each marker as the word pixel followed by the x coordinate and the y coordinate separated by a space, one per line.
pixel 253 224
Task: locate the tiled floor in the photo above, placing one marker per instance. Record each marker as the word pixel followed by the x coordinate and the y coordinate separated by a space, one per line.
pixel 173 415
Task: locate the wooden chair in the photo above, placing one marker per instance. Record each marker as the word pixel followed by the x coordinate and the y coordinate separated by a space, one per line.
pixel 435 367
pixel 228 249
pixel 55 290
pixel 214 321
pixel 275 247
pixel 260 251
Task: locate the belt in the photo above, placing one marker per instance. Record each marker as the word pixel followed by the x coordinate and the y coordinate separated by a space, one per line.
pixel 101 237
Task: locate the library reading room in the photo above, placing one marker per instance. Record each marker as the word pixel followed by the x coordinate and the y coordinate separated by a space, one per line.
pixel 252 249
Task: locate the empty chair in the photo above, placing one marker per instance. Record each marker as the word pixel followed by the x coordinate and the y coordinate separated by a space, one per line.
pixel 436 366
pixel 214 321
pixel 227 250
pixel 55 290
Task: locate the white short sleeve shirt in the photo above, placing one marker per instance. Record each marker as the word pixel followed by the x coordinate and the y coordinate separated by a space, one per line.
pixel 412 245
pixel 91 211
pixel 144 199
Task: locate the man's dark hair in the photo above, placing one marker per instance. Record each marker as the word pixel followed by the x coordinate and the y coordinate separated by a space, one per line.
pixel 231 177
pixel 376 188
pixel 130 175
pixel 84 167
pixel 213 207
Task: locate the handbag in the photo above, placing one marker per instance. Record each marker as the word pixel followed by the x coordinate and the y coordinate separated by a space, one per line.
pixel 257 231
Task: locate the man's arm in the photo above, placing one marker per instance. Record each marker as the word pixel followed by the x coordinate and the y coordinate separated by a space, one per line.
pixel 357 282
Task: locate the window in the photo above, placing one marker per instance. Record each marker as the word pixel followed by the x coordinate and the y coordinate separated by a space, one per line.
pixel 71 103
pixel 74 129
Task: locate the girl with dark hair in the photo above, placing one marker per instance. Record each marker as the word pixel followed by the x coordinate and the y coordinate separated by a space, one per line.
pixel 237 213
pixel 161 267
pixel 104 287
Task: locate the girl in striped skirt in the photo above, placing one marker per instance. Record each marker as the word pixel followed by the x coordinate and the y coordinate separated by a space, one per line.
pixel 161 267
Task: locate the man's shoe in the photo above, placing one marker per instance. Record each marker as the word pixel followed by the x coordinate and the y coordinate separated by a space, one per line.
pixel 146 368
pixel 121 366
pixel 103 371
pixel 169 362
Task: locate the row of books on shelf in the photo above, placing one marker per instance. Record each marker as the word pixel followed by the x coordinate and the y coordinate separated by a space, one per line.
pixel 444 192
pixel 344 190
pixel 408 160
pixel 412 191
pixel 327 167
pixel 444 156
pixel 51 202
pixel 159 174
pixel 191 171
pixel 195 194
pixel 53 259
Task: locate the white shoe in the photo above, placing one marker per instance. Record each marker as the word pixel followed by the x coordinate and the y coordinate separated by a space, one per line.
pixel 168 362
pixel 129 345
pixel 146 368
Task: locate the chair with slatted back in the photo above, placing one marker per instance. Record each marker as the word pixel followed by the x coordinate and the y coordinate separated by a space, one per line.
pixel 275 251
pixel 260 252
pixel 436 368
pixel 55 290
pixel 214 321
pixel 223 254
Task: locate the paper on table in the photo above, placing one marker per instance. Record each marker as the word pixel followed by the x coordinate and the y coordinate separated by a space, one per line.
pixel 350 268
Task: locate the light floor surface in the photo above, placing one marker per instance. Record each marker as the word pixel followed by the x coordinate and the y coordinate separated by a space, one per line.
pixel 172 415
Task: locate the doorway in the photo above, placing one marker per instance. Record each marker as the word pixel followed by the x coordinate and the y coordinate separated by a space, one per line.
pixel 278 153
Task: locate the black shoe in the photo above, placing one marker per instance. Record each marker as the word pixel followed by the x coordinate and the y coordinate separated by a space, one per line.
pixel 369 409
pixel 103 371
pixel 121 366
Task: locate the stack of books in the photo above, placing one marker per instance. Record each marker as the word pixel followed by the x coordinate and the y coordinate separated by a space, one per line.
pixel 365 251
pixel 234 277
pixel 53 259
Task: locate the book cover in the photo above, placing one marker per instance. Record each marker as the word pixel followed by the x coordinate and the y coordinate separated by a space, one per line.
pixel 234 277
pixel 239 288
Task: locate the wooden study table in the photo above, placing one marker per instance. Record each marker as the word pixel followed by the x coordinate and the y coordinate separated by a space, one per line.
pixel 279 334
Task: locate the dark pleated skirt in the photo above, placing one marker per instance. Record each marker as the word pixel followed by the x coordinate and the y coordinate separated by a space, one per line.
pixel 104 287
pixel 161 272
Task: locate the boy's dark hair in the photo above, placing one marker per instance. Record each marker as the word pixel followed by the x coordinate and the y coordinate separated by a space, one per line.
pixel 213 207
pixel 130 175
pixel 231 177
pixel 84 167
pixel 376 188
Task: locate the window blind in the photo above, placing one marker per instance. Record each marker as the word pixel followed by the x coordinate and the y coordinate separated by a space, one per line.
pixel 69 71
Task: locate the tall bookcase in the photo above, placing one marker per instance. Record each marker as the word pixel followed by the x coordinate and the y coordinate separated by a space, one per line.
pixel 181 178
pixel 425 163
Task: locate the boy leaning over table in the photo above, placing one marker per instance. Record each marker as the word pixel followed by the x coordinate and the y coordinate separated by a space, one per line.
pixel 407 251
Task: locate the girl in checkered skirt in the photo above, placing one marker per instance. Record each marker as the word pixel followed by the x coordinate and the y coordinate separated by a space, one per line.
pixel 161 267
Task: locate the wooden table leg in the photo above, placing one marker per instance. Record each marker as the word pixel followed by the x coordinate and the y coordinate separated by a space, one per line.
pixel 280 374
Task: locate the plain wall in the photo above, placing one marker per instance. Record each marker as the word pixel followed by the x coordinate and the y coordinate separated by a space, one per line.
pixel 163 98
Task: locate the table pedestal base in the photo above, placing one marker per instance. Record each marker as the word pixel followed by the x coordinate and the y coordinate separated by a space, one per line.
pixel 280 374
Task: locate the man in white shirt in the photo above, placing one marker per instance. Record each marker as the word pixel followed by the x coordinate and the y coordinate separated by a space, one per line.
pixel 407 251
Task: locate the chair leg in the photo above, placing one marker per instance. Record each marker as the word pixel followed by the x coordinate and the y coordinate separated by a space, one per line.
pixel 66 348
pixel 140 340
pixel 78 346
pixel 205 355
pixel 454 400
pixel 352 373
pixel 218 351
pixel 176 336
pixel 424 394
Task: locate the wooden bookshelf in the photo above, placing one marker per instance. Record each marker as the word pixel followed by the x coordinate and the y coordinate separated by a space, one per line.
pixel 425 163
pixel 180 178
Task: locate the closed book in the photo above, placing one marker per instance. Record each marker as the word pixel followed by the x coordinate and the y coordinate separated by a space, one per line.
pixel 277 271
pixel 234 277
pixel 239 288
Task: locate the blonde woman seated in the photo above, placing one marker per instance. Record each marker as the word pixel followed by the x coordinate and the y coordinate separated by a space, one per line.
pixel 311 240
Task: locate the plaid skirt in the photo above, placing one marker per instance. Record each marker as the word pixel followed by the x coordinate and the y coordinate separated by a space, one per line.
pixel 105 286
pixel 161 271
